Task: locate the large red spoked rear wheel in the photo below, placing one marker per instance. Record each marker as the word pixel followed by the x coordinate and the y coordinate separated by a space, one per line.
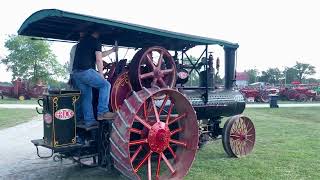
pixel 153 138
pixel 152 67
pixel 238 136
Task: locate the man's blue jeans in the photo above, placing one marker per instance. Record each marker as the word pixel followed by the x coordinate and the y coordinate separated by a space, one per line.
pixel 85 80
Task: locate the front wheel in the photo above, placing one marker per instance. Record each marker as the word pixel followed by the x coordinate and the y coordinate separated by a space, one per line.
pixel 238 136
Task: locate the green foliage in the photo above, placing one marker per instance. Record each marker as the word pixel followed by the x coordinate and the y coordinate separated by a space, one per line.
pixel 298 72
pixel 312 80
pixel 304 70
pixel 194 76
pixel 271 75
pixel 290 74
pixel 253 74
pixel 54 84
pixel 31 59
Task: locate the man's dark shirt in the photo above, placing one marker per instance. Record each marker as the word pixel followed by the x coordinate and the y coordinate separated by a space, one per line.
pixel 85 56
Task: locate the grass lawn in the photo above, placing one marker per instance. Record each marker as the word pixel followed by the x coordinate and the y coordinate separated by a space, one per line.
pixel 7 100
pixel 287 102
pixel 12 117
pixel 287 147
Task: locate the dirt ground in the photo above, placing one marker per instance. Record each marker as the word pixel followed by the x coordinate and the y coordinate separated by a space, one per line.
pixel 18 159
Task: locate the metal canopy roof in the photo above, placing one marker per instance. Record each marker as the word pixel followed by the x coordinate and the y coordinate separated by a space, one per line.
pixel 62 25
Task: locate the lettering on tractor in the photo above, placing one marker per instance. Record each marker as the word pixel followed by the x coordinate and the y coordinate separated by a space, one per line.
pixel 64 114
pixel 167 104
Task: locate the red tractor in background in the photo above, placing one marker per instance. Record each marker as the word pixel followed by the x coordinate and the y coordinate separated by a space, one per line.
pixel 22 90
pixel 299 92
pixel 258 92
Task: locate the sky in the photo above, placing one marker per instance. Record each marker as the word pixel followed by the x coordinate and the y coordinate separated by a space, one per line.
pixel 271 33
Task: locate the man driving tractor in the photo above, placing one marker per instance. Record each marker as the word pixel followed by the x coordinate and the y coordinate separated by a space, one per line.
pixel 88 54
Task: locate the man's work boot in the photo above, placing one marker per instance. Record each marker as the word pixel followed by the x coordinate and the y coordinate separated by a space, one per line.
pixel 107 115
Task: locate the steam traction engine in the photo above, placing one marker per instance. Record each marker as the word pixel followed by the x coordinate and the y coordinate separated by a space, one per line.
pixel 161 121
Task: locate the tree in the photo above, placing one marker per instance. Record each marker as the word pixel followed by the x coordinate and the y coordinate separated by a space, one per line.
pixel 303 70
pixel 271 75
pixel 312 80
pixel 253 75
pixel 31 59
pixel 290 74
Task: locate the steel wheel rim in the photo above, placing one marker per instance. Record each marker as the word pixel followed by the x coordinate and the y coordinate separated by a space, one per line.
pixel 150 70
pixel 242 136
pixel 238 136
pixel 146 149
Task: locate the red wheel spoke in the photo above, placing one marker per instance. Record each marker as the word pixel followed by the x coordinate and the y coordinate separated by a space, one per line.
pixel 149 168
pixel 250 129
pixel 147 75
pixel 168 163
pixel 163 104
pixel 176 131
pixel 161 81
pixel 137 131
pixel 178 142
pixel 158 166
pixel 234 136
pixel 243 150
pixel 160 60
pixel 172 152
pixel 142 122
pixel 150 61
pixel 143 161
pixel 249 141
pixel 169 112
pixel 136 142
pixel 248 126
pixel 177 118
pixel 145 110
pixel 136 154
pixel 155 110
pixel 167 71
pixel 154 82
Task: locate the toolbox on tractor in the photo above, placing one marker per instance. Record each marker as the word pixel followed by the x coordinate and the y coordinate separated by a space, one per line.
pixel 59 117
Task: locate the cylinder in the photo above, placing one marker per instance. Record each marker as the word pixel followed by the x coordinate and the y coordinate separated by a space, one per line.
pixel 229 67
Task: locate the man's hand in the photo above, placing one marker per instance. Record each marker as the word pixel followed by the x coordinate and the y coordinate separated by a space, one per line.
pixel 106 53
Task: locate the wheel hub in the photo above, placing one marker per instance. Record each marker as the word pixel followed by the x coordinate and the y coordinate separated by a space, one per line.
pixel 158 73
pixel 242 137
pixel 159 137
pixel 239 136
